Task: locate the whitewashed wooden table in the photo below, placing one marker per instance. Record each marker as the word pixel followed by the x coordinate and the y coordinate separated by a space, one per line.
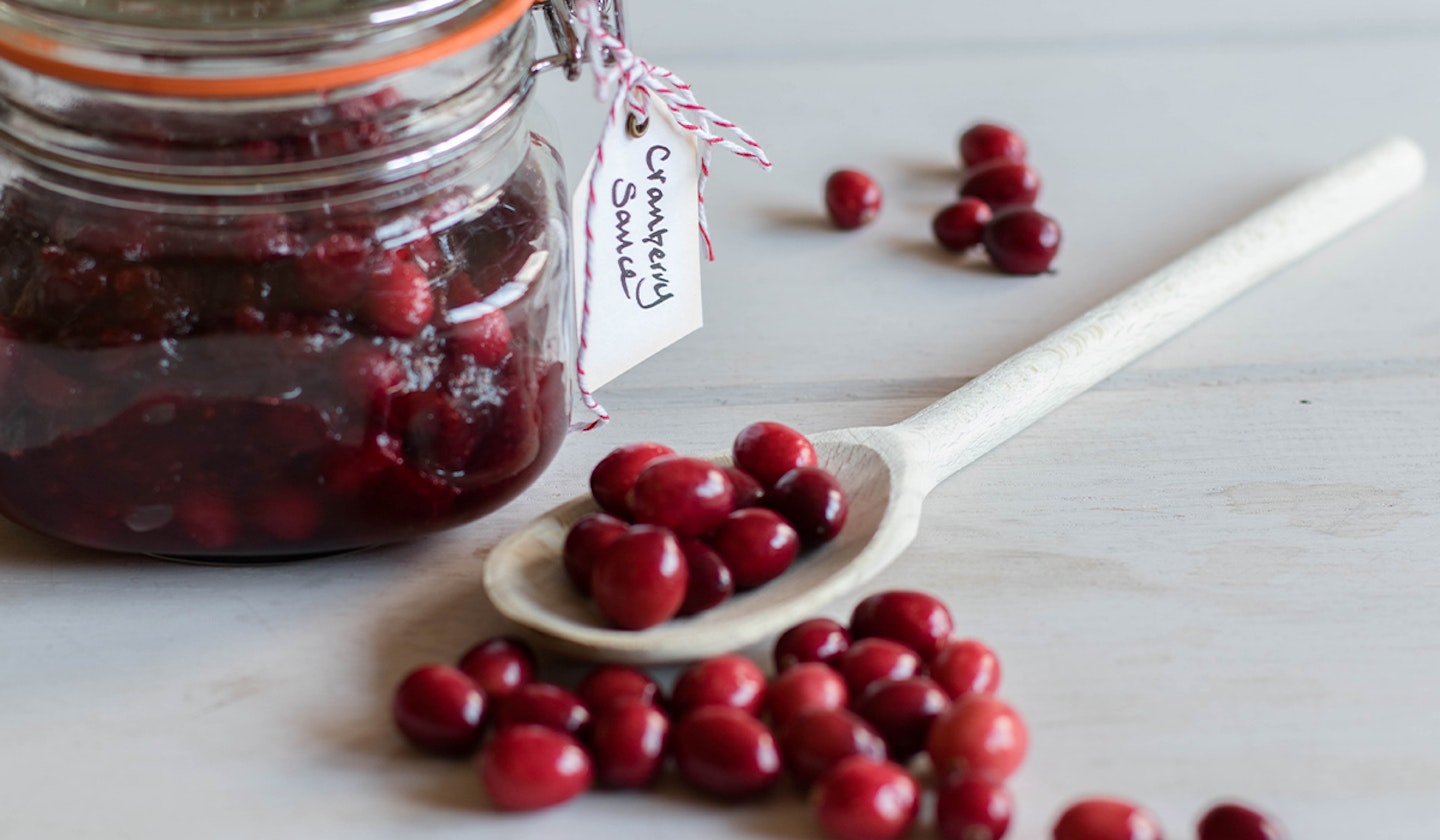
pixel 1213 576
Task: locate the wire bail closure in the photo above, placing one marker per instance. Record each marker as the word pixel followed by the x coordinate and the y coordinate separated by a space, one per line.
pixel 569 43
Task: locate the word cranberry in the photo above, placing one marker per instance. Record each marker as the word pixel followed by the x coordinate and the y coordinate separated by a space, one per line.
pixel 813 501
pixel 916 620
pixel 1232 821
pixel 984 142
pixel 769 450
pixel 966 666
pixel 869 661
pixel 1106 819
pixel 585 540
pixel 813 640
pixel 959 226
pixel 726 753
pixel 728 680
pixel 628 744
pixel 1022 241
pixel 639 579
pixel 757 545
pixel 1001 184
pixel 902 711
pixel 866 799
pixel 972 808
pixel 852 199
pixel 711 583
pixel 610 685
pixel 748 491
pixel 690 496
pixel 499 666
pixel 979 734
pixel 439 710
pixel 543 704
pixel 808 685
pixel 527 767
pixel 613 478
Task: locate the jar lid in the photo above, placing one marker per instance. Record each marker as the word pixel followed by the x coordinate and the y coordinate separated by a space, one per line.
pixel 241 48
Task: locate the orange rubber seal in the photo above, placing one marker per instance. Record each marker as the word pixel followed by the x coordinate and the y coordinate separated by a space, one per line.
pixel 38 54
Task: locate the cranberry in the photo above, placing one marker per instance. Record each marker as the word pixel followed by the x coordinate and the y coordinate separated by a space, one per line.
pixel 813 640
pixel 527 767
pixel 757 545
pixel 966 666
pixel 979 734
pixel 1002 184
pixel 614 476
pixel 727 680
pixel 864 798
pixel 485 339
pixel 916 620
pixel 808 685
pixel 397 301
pixel 209 519
pixel 748 491
pixel 543 704
pixel 1022 241
pixel 814 740
pixel 1232 821
pixel 289 514
pixel 711 583
pixel 439 709
pixel 639 579
pixel 1106 819
pixel 852 199
pixel 586 539
pixel 972 808
pixel 690 496
pixel 812 500
pixel 769 450
pixel 726 753
pixel 335 270
pixel 959 226
pixel 609 685
pixel 500 665
pixel 628 744
pixel 902 712
pixel 369 374
pixel 869 661
pixel 985 142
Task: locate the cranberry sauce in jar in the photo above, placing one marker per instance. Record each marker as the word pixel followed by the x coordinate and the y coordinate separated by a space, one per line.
pixel 243 314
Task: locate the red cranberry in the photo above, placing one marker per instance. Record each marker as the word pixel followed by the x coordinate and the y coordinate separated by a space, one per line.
pixel 711 583
pixel 398 302
pixel 543 704
pixel 586 539
pixel 610 685
pixel 916 620
pixel 209 519
pixel 902 712
pixel 727 680
pixel 869 661
pixel 813 640
pixel 639 579
pixel 769 450
pixel 864 798
pixel 368 373
pixel 690 496
pixel 757 545
pixel 1106 819
pixel 972 808
pixel 812 500
pixel 985 142
pixel 1022 241
pixel 335 270
pixel 979 735
pixel 852 198
pixel 485 339
pixel 613 478
pixel 499 665
pixel 289 514
pixel 439 710
pixel 628 744
pixel 814 740
pixel 1002 184
pixel 808 685
pixel 959 227
pixel 526 768
pixel 1232 821
pixel 726 753
pixel 748 491
pixel 966 666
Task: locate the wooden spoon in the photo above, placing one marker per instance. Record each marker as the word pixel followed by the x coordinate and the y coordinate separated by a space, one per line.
pixel 888 470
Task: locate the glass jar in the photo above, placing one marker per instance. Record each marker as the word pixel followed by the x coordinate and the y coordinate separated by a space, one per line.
pixel 276 278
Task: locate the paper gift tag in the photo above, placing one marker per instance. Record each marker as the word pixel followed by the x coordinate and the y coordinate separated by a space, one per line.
pixel 635 218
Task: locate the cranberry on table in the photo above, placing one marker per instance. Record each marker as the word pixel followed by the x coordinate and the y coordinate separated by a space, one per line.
pixel 813 501
pixel 528 767
pixel 814 740
pixel 613 478
pixel 966 666
pixel 979 735
pixel 868 661
pixel 852 198
pixel 1002 184
pixel 609 685
pixel 902 711
pixel 543 704
pixel 863 798
pixel 1233 821
pixel 958 227
pixel 710 584
pixel 748 491
pixel 628 744
pixel 1106 819
pixel 768 450
pixel 639 580
pixel 757 545
pixel 972 808
pixel 726 753
pixel 690 496
pixel 808 685
pixel 438 709
pixel 1022 241
pixel 984 142
pixel 583 543
pixel 729 680
pixel 500 665
pixel 918 620
pixel 813 640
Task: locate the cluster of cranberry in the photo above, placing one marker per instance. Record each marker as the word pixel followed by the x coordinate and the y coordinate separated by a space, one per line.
pixel 678 535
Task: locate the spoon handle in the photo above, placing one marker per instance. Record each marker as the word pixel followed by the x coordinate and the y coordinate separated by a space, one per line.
pixel 988 410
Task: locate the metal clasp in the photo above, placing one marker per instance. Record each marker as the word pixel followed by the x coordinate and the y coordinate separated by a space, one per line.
pixel 569 45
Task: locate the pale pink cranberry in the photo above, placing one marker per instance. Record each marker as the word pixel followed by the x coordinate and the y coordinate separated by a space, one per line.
pixel 1233 821
pixel 690 496
pixel 1106 819
pixel 852 198
pixel 543 704
pixel 711 583
pixel 769 450
pixel 610 685
pixel 902 712
pixel 868 661
pixel 808 685
pixel 500 665
pixel 812 501
pixel 1002 184
pixel 757 545
pixel 335 270
pixel 748 491
pixel 1022 241
pixel 208 518
pixel 966 666
pixel 978 735
pixel 728 680
pixel 813 640
pixel 916 620
pixel 439 709
pixel 639 580
pixel 398 302
pixel 484 340
pixel 725 752
pixel 866 799
pixel 814 740
pixel 972 808
pixel 613 478
pixel 368 373
pixel 628 744
pixel 527 767
pixel 584 542
pixel 985 142
pixel 959 226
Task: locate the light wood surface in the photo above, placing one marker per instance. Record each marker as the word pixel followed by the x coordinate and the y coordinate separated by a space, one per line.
pixel 1212 575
